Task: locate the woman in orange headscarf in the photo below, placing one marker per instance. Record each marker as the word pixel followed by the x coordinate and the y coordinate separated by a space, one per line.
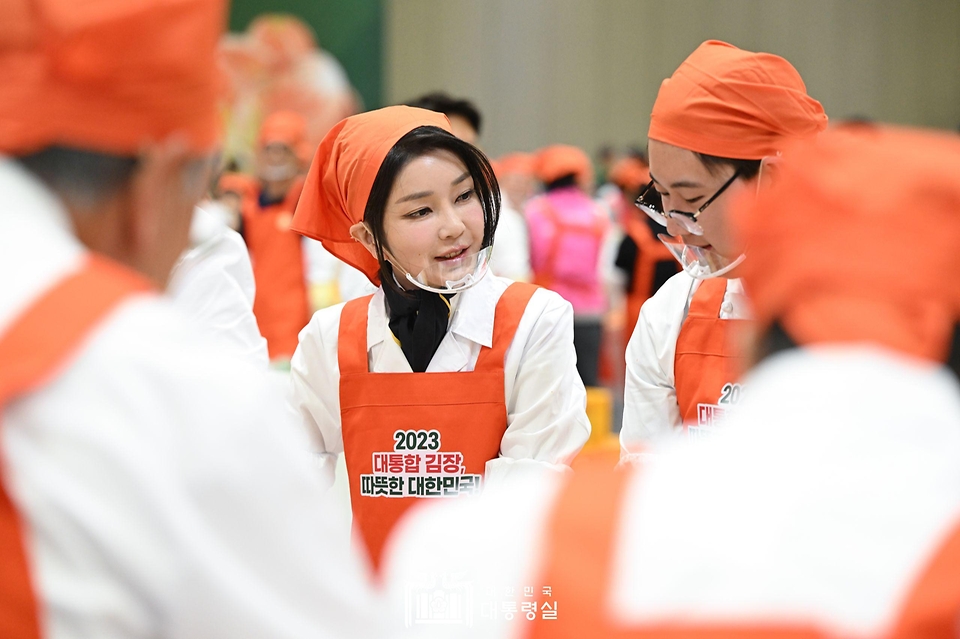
pixel 447 376
pixel 723 115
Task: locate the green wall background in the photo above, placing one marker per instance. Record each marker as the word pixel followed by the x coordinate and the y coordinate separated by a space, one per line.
pixel 351 30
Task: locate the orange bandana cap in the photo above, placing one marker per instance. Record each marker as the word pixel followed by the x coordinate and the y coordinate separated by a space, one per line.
pixel 554 162
pixel 288 128
pixel 856 240
pixel 516 163
pixel 630 174
pixel 341 176
pixel 731 103
pixel 109 76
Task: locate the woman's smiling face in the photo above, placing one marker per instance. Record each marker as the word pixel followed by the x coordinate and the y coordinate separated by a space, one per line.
pixel 433 221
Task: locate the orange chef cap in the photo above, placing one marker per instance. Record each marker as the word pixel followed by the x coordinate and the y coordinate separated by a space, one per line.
pixel 341 176
pixel 109 75
pixel 243 185
pixel 555 161
pixel 731 103
pixel 857 239
pixel 518 162
pixel 288 128
pixel 630 173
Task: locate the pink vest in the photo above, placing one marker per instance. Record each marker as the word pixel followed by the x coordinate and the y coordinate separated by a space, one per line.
pixel 566 237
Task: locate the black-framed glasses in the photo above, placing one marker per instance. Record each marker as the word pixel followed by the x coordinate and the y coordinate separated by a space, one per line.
pixel 651 203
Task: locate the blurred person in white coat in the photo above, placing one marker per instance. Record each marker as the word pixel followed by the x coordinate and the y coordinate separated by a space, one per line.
pixel 151 485
pixel 828 506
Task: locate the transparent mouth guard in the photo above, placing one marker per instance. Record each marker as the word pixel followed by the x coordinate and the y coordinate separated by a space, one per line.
pixel 457 275
pixel 698 262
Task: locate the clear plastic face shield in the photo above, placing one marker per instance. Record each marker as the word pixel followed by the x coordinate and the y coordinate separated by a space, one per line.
pixel 445 274
pixel 697 261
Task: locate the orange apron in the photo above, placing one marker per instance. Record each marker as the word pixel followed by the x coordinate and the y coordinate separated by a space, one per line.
pixel 32 352
pixel 707 362
pixel 281 304
pixel 579 564
pixel 650 252
pixel 410 436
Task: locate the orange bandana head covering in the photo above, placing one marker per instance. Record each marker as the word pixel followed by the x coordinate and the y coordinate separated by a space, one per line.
pixel 109 75
pixel 731 103
pixel 630 174
pixel 511 163
pixel 341 176
pixel 288 128
pixel 831 256
pixel 556 161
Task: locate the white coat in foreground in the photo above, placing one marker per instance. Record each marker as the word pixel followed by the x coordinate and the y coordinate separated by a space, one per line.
pixel 165 491
pixel 821 503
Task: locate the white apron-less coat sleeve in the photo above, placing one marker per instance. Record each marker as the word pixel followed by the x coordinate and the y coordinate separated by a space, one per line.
pixel 547 423
pixel 213 285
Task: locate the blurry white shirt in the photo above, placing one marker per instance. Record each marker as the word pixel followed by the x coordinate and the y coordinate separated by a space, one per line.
pixel 165 490
pixel 511 246
pixel 821 502
pixel 650 408
pixel 213 285
pixel 546 417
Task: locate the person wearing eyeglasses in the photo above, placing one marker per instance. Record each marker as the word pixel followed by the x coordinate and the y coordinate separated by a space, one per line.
pixel 721 118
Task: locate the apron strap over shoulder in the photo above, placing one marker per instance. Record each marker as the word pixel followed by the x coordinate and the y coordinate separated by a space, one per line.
pixel 33 351
pixel 352 336
pixel 510 309
pixel 708 299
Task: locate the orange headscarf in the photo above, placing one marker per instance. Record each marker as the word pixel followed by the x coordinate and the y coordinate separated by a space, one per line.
pixel 109 75
pixel 341 176
pixel 288 128
pixel 555 161
pixel 856 240
pixel 517 162
pixel 630 174
pixel 731 103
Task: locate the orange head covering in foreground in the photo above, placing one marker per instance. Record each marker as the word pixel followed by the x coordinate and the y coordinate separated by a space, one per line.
pixel 731 103
pixel 110 75
pixel 558 160
pixel 857 240
pixel 341 176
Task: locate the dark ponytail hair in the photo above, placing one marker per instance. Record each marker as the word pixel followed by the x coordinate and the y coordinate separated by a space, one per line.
pixel 417 143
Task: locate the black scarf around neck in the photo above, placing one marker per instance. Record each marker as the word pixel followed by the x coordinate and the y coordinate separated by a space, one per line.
pixel 418 319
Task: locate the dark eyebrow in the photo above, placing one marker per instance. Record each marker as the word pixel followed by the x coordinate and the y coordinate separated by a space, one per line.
pixel 682 184
pixel 414 196
pixel 461 178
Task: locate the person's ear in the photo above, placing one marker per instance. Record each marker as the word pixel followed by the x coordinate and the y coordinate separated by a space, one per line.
pixel 361 233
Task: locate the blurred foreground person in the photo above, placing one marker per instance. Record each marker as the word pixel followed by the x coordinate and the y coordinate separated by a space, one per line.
pixel 151 486
pixel 723 115
pixel 829 505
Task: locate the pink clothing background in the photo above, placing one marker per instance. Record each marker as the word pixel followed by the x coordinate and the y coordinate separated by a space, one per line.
pixel 575 271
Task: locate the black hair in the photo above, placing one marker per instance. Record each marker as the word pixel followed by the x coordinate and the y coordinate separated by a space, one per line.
pixel 748 169
pixel 443 103
pixel 80 177
pixel 562 182
pixel 414 144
